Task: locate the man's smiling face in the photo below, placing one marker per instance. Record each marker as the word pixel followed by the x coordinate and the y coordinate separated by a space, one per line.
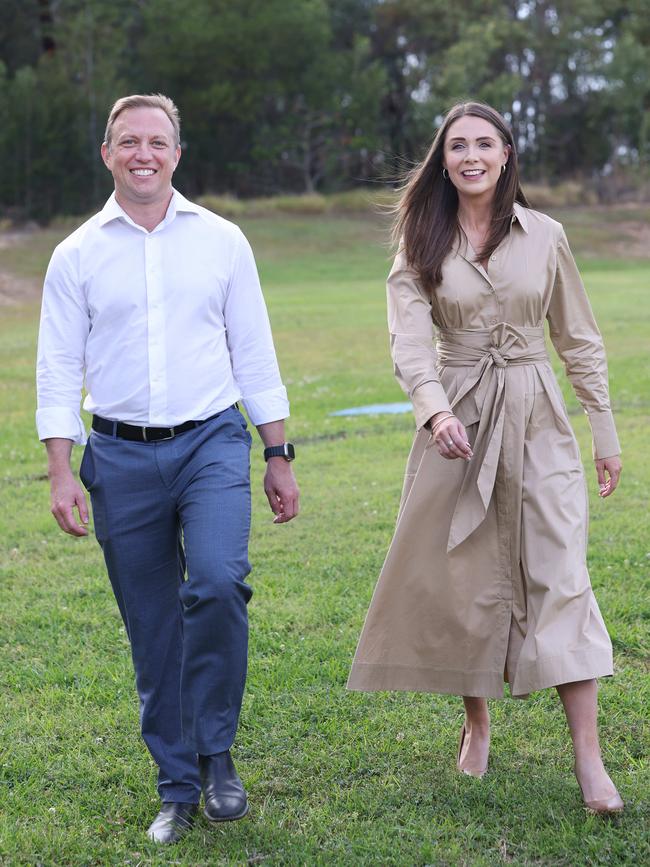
pixel 142 156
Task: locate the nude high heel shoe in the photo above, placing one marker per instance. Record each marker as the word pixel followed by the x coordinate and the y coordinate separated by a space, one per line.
pixel 471 772
pixel 602 806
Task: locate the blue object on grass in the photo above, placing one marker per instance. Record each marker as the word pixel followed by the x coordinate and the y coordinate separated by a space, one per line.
pixel 376 409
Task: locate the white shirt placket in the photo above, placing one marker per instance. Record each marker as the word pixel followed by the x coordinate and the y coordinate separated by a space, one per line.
pixel 156 328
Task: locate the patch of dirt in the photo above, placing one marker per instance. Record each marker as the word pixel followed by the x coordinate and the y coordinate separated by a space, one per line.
pixel 637 240
pixel 16 290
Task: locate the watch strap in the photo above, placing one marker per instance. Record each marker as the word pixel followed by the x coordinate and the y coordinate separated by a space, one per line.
pixel 286 451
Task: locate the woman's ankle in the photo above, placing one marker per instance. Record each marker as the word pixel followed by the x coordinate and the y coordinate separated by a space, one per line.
pixel 587 754
pixel 479 726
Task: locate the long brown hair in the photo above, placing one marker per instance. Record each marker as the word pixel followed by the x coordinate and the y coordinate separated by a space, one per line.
pixel 426 222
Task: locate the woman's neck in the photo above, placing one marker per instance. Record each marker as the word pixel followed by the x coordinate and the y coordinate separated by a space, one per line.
pixel 474 215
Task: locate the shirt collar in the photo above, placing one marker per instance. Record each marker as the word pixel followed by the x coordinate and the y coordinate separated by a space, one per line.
pixel 520 216
pixel 178 204
pixel 112 211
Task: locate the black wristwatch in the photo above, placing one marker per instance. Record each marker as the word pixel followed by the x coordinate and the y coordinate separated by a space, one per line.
pixel 286 451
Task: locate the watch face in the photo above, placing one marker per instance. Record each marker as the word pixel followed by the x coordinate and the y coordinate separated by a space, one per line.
pixel 290 452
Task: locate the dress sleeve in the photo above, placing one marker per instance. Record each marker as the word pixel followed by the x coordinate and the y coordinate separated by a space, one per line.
pixel 412 342
pixel 578 342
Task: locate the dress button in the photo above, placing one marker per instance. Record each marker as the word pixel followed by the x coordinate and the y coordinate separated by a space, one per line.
pixel 493 258
pixel 493 321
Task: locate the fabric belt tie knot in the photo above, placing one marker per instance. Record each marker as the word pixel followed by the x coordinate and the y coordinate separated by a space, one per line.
pixel 497 358
pixel 489 352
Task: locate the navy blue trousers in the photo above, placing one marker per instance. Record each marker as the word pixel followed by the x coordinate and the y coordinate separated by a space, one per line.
pixel 173 521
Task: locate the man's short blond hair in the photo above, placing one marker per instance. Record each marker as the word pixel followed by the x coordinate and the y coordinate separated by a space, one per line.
pixel 150 100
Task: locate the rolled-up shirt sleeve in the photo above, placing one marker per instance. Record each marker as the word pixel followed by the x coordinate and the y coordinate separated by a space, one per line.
pixel 579 344
pixel 250 342
pixel 64 329
pixel 412 343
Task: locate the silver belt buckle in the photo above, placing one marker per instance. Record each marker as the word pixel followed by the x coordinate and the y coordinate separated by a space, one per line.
pixel 172 434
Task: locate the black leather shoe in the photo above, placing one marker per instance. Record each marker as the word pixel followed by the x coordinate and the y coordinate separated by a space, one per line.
pixel 173 821
pixel 225 797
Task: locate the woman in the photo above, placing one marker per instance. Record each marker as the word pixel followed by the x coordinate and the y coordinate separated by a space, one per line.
pixel 485 579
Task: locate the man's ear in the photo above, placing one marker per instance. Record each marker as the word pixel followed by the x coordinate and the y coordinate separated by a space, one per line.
pixel 178 156
pixel 106 155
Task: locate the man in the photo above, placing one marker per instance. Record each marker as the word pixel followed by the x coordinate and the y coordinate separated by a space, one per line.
pixel 157 303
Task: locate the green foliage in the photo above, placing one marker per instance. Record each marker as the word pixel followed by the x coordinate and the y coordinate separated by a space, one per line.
pixel 21 37
pixel 317 95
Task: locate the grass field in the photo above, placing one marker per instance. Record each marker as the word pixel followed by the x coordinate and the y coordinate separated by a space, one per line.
pixel 333 777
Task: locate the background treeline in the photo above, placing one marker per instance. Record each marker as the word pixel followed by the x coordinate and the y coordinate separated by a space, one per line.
pixel 303 95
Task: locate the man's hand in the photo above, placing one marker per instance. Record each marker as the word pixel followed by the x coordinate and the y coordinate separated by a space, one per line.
pixel 65 491
pixel 66 495
pixel 608 471
pixel 281 490
pixel 279 482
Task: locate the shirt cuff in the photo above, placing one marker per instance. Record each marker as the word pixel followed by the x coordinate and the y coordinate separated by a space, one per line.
pixel 603 432
pixel 60 422
pixel 428 399
pixel 267 406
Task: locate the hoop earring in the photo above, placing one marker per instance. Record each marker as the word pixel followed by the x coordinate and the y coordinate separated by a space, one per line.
pixel 503 168
pixel 445 174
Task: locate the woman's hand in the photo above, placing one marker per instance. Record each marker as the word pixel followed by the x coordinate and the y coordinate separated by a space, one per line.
pixel 608 471
pixel 450 437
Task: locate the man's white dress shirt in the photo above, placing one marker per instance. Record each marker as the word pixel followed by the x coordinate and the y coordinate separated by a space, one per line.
pixel 167 326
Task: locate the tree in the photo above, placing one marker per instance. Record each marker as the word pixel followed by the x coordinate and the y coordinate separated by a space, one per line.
pixel 269 90
pixel 315 94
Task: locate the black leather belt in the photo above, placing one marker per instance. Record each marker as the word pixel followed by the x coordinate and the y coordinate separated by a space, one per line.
pixel 147 434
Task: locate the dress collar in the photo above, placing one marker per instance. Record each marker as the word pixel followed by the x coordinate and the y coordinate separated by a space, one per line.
pixel 520 216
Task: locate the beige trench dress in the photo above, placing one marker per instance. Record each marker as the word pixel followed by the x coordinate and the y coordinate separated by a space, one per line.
pixel 485 579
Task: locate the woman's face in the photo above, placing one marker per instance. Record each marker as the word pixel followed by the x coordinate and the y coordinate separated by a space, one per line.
pixel 473 155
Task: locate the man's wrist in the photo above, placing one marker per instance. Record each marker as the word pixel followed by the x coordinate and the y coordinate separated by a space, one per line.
pixel 285 450
pixel 59 451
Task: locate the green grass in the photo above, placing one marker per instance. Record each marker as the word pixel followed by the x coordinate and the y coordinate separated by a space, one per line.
pixel 333 777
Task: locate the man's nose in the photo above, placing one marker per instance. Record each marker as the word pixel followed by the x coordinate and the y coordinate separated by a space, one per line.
pixel 143 152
